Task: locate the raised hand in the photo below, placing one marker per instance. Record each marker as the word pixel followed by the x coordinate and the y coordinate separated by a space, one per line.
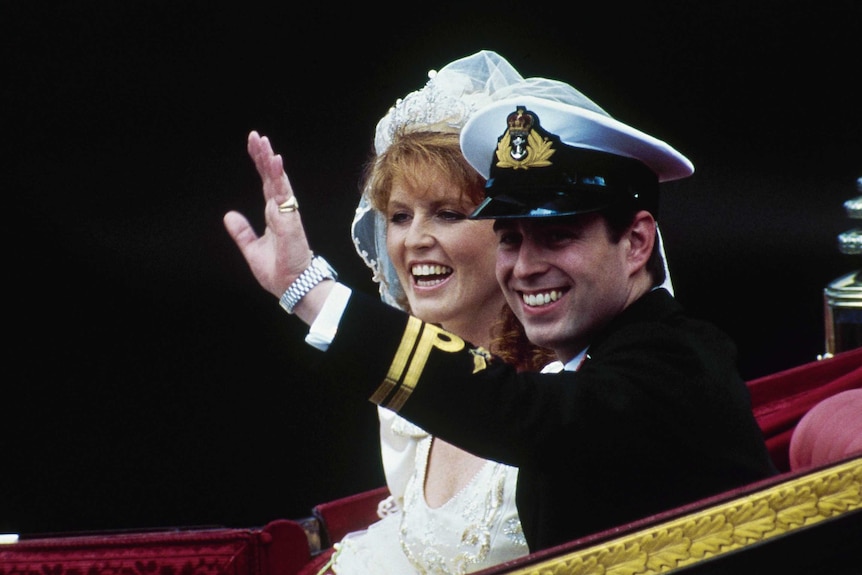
pixel 281 253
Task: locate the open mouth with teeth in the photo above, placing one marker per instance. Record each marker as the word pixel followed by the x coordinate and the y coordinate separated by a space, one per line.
pixel 425 275
pixel 542 298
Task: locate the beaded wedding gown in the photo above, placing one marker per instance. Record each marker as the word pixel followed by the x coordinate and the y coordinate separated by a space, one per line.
pixel 475 529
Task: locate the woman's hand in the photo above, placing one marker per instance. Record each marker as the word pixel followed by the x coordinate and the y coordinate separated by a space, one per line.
pixel 281 253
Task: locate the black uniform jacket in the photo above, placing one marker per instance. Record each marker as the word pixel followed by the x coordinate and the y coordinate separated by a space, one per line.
pixel 657 416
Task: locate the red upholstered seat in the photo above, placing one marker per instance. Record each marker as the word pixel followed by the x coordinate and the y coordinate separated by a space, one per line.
pixel 280 548
pixel 341 516
pixel 779 400
pixel 829 431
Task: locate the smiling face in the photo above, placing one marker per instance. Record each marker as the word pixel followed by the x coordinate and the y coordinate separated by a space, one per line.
pixel 444 261
pixel 566 278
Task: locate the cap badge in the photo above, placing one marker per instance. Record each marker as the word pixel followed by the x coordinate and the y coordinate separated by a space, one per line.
pixel 522 146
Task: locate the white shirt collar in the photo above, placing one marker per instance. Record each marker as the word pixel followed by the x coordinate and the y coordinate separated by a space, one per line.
pixel 572 365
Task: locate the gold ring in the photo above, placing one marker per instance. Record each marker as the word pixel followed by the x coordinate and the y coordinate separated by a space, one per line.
pixel 291 205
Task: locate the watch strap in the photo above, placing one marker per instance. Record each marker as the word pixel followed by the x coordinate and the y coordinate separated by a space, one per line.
pixel 317 271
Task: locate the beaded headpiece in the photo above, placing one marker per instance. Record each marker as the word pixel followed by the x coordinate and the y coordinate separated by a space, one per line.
pixel 444 104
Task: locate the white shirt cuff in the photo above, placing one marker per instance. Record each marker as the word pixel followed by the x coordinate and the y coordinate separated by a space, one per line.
pixel 322 330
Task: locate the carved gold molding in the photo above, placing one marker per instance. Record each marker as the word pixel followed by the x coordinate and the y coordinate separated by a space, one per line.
pixel 719 529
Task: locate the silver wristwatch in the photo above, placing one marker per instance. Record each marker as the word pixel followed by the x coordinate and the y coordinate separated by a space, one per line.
pixel 316 272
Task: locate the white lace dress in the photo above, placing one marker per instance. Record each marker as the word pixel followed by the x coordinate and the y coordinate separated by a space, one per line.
pixel 475 529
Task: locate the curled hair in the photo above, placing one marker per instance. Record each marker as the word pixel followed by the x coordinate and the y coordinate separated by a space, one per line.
pixel 410 151
pixel 509 342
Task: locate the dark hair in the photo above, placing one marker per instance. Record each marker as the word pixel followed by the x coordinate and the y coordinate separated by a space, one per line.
pixel 619 219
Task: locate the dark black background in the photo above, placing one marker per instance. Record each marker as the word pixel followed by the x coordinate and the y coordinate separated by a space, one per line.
pixel 150 382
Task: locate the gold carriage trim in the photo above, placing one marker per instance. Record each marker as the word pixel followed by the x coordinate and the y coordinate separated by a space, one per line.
pixel 719 529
